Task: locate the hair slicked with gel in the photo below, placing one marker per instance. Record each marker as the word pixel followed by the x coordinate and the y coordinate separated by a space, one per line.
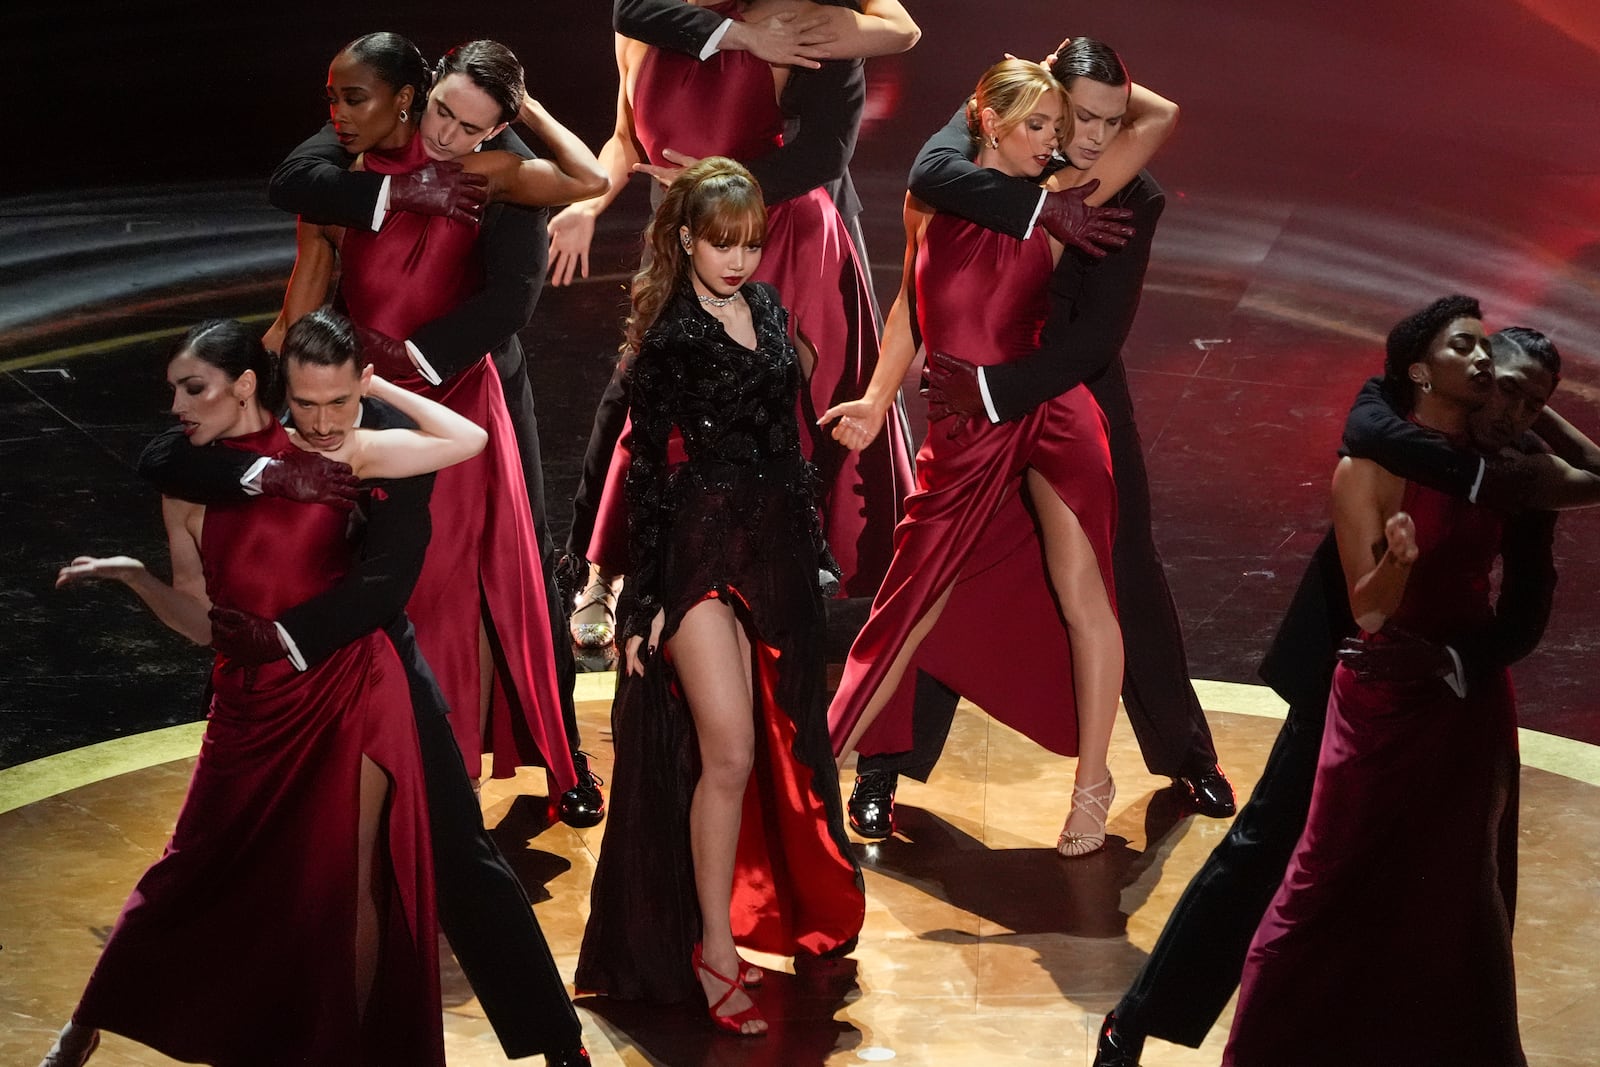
pixel 492 67
pixel 233 348
pixel 1085 57
pixel 1528 342
pixel 323 338
pixel 1409 340
pixel 395 60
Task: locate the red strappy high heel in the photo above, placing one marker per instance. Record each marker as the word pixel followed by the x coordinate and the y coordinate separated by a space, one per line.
pixel 733 1024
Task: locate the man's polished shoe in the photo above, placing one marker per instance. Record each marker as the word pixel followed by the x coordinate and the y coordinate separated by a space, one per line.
pixel 583 804
pixel 1209 791
pixel 1118 1046
pixel 579 1057
pixel 872 804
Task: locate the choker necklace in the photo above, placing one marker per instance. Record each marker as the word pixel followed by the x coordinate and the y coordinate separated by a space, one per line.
pixel 717 301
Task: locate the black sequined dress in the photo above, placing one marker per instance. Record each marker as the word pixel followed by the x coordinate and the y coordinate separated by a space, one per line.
pixel 736 521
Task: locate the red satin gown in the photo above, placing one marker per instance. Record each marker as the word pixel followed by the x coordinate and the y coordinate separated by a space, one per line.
pixel 238 946
pixel 1389 940
pixel 727 106
pixel 735 521
pixel 483 561
pixel 984 296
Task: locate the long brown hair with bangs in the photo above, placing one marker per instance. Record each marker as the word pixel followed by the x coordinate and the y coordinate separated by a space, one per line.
pixel 718 201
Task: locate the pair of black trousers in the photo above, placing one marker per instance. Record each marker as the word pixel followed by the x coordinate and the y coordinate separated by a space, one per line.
pixel 483 910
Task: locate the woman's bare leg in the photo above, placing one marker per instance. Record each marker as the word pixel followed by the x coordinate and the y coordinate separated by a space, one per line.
pixel 896 671
pixel 1096 637
pixel 711 653
pixel 369 879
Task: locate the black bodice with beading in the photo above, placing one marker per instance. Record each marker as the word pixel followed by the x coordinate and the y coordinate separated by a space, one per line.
pixel 735 409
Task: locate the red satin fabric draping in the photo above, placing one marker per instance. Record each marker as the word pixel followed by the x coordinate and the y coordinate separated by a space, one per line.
pixel 237 946
pixel 483 561
pixel 983 296
pixel 1393 899
pixel 726 105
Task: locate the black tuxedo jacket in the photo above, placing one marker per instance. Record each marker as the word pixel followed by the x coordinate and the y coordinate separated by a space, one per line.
pixel 398 525
pixel 824 105
pixel 1092 301
pixel 315 181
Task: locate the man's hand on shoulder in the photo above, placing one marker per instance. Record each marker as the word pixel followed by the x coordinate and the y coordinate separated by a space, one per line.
pixel 440 188
pixel 1069 219
pixel 310 478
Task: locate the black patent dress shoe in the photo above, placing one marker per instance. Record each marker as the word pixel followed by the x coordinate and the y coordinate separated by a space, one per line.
pixel 872 804
pixel 583 805
pixel 578 1057
pixel 1209 792
pixel 1118 1046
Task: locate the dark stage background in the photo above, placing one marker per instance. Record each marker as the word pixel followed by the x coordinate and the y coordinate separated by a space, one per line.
pixel 1335 167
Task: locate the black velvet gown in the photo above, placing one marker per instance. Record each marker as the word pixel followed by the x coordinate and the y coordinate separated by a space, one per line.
pixel 736 521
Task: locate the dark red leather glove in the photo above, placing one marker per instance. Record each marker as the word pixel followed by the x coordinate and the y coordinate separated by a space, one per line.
pixel 953 391
pixel 310 478
pixel 245 640
pixel 387 356
pixel 1399 658
pixel 440 189
pixel 1069 220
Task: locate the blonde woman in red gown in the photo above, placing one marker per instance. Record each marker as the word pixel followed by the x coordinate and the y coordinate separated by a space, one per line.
pixel 968 559
pixel 479 601
pixel 291 917
pixel 674 108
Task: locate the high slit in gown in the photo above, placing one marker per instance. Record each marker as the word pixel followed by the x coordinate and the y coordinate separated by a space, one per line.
pixel 238 946
pixel 1389 940
pixel 984 296
pixel 734 521
pixel 483 561
pixel 726 106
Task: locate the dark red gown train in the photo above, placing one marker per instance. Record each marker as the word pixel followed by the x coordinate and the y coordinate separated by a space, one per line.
pixel 238 946
pixel 726 106
pixel 483 560
pixel 734 521
pixel 984 296
pixel 1389 941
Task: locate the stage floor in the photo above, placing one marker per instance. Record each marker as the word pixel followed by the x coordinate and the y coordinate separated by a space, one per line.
pixel 980 945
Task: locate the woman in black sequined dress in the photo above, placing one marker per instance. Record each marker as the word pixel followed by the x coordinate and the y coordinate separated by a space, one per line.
pixel 726 825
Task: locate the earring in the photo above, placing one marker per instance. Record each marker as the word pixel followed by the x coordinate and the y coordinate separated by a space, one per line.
pixel 1427 387
pixel 994 142
pixel 405 115
pixel 688 245
pixel 241 403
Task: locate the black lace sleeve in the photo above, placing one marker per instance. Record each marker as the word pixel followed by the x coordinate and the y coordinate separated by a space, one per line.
pixel 651 409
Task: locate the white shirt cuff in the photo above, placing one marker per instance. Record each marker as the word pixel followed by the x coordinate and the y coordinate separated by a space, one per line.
pixel 1036 209
pixel 715 39
pixel 380 210
pixel 295 658
pixel 423 366
pixel 1456 679
pixel 252 477
pixel 1477 483
pixel 988 401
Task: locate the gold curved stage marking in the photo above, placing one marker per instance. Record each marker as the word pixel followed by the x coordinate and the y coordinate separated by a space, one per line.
pixel 47 777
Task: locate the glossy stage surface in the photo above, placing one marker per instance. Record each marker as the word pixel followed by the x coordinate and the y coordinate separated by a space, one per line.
pixel 981 945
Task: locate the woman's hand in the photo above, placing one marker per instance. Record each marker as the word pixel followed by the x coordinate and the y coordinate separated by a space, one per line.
pixel 115 568
pixel 859 423
pixel 571 234
pixel 1401 534
pixel 634 660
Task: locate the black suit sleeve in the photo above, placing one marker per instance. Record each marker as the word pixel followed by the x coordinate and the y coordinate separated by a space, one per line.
pixel 209 475
pixel 670 24
pixel 375 591
pixel 315 181
pixel 1375 431
pixel 1527 593
pixel 945 178
pixel 1092 307
pixel 515 246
